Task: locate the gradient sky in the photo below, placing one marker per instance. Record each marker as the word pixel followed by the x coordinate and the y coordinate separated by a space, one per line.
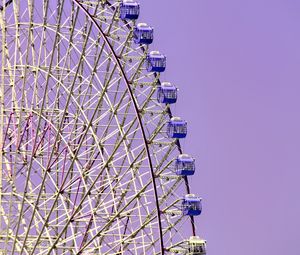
pixel 237 64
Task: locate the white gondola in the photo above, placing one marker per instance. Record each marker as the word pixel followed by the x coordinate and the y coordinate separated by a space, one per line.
pixel 197 246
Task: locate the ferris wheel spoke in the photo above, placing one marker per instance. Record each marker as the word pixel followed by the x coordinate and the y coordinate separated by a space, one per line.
pixel 18 135
pixel 133 235
pixel 111 220
pixel 146 224
pixel 79 205
pixel 17 207
pixel 30 164
pixel 148 212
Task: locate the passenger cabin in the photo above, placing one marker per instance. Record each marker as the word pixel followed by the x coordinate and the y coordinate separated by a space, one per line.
pixel 166 93
pixel 143 34
pixel 191 205
pixel 197 246
pixel 177 128
pixel 129 10
pixel 185 165
pixel 156 62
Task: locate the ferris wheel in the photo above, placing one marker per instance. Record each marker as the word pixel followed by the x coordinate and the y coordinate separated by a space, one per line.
pixel 90 157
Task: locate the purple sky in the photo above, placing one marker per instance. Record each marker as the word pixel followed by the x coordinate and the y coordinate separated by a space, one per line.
pixel 237 64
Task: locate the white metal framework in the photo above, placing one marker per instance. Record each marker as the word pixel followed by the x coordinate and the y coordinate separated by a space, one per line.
pixel 86 164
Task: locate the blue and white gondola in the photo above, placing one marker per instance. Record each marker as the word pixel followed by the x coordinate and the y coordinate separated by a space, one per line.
pixel 185 165
pixel 166 93
pixel 156 62
pixel 143 34
pixel 191 205
pixel 129 10
pixel 177 128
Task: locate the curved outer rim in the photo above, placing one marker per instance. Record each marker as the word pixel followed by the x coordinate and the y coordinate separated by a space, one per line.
pixel 6 4
pixel 177 141
pixel 139 120
pixel 137 114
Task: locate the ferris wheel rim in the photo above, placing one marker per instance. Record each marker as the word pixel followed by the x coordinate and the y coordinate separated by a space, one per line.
pixel 138 116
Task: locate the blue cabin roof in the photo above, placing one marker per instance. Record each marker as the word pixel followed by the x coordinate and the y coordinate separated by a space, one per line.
pixel 130 2
pixel 177 121
pixel 191 198
pixel 167 86
pixel 185 158
pixel 155 54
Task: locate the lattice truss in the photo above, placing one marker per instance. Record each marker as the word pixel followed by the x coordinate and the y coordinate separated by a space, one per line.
pixel 79 120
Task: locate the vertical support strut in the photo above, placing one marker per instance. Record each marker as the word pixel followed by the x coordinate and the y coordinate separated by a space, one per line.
pixel 2 112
